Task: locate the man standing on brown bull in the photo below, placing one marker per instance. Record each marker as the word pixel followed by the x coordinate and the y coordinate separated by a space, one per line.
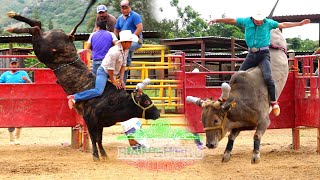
pixel 103 15
pixel 257 37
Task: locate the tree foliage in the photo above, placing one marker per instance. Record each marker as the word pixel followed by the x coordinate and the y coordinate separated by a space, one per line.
pixel 298 44
pixel 190 24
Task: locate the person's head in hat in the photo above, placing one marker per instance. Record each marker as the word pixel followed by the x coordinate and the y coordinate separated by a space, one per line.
pixel 13 63
pixel 102 11
pixel 125 7
pixel 126 38
pixel 259 17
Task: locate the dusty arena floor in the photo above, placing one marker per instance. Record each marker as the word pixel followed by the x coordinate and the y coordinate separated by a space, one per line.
pixel 44 153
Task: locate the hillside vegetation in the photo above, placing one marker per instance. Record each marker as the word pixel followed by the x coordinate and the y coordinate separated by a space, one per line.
pixel 61 14
pixel 64 14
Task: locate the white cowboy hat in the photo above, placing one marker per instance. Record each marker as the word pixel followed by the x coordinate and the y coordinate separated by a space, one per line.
pixel 259 15
pixel 126 35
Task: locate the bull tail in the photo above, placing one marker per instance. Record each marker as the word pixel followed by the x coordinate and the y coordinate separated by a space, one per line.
pixel 84 15
pixel 274 7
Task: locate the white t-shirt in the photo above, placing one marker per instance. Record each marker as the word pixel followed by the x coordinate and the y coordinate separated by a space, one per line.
pixel 115 59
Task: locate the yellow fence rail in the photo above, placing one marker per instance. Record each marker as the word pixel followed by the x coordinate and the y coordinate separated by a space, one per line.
pixel 155 64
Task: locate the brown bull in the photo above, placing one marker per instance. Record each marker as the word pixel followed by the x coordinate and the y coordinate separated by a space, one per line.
pixel 247 104
pixel 56 50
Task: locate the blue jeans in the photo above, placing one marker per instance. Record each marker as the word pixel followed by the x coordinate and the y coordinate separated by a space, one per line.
pixel 261 59
pixel 101 81
pixel 95 65
pixel 134 46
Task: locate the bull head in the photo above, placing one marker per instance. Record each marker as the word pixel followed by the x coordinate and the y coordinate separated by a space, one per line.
pixel 149 111
pixel 214 115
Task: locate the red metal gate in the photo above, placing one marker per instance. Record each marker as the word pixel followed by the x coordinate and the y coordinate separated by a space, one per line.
pixel 41 103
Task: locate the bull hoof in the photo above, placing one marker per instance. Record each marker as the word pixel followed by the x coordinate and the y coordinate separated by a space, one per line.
pixel 255 159
pixel 226 158
pixel 11 14
pixel 104 158
pixel 95 159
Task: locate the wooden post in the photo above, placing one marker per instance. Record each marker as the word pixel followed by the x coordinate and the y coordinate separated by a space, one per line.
pixel 75 138
pixel 203 51
pixel 232 53
pixel 318 141
pixel 296 138
pixel 10 49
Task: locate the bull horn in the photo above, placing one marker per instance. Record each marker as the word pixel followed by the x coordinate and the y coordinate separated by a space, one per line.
pixel 225 91
pixel 194 100
pixel 143 84
pixel 84 15
pixel 274 7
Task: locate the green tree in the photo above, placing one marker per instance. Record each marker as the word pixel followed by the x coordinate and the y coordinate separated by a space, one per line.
pixel 35 13
pixel 50 25
pixel 190 24
pixel 298 44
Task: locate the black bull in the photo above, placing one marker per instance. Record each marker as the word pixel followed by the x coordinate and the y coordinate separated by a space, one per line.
pixel 56 50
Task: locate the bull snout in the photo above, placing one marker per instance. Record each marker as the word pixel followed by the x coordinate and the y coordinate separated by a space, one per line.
pixel 152 113
pixel 157 116
pixel 212 145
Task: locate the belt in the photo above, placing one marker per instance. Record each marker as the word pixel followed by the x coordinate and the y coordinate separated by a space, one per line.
pixel 254 50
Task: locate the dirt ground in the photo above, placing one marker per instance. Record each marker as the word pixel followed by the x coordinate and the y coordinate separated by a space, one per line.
pixel 44 153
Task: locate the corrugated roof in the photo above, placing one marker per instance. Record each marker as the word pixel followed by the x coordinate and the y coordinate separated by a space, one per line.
pixel 208 41
pixel 315 18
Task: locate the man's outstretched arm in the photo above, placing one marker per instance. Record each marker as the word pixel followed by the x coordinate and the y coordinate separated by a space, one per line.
pixel 293 24
pixel 223 20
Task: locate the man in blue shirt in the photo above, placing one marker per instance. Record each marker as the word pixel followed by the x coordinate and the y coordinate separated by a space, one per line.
pixel 257 37
pixel 99 43
pixel 14 76
pixel 129 20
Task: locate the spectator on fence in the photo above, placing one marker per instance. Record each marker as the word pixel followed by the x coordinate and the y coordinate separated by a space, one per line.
pixel 99 43
pixel 103 15
pixel 129 20
pixel 14 76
